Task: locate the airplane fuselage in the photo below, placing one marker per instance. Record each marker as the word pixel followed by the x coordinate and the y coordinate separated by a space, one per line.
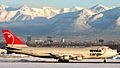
pixel 87 52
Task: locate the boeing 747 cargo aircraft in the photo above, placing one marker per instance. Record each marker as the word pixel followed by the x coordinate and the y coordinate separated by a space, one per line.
pixel 15 45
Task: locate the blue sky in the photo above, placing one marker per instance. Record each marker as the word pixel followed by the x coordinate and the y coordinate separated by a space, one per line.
pixel 60 3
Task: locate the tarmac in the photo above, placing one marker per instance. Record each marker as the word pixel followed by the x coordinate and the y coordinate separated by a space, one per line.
pixel 35 62
pixel 58 65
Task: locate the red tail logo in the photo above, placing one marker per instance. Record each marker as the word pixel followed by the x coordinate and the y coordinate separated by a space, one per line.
pixel 11 38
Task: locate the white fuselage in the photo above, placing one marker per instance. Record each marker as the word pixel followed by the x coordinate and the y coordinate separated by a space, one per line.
pixel 87 52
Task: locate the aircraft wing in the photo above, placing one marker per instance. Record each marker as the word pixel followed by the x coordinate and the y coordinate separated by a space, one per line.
pixel 59 54
pixel 67 56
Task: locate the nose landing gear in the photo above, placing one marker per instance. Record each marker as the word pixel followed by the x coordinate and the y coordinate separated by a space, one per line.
pixel 104 61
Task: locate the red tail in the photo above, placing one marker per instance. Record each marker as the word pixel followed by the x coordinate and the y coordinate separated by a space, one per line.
pixel 11 39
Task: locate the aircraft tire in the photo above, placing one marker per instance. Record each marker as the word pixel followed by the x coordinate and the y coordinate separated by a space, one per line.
pixel 61 60
pixel 104 61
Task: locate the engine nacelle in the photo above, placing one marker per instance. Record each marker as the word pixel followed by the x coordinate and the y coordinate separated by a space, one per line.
pixel 78 58
pixel 66 57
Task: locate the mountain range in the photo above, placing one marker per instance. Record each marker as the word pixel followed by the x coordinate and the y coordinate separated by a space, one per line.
pixel 90 22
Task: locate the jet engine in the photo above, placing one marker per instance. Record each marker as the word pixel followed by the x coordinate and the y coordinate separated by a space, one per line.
pixel 66 57
pixel 78 58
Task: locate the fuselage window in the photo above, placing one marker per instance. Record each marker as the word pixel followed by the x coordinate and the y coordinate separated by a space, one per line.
pixel 99 50
pixel 95 50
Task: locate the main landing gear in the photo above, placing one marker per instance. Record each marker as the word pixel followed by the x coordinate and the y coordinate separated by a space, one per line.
pixel 64 61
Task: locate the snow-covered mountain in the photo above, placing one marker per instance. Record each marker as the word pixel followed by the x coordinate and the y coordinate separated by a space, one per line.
pixel 73 9
pixel 72 20
pixel 3 7
pixel 106 19
pixel 100 8
pixel 24 12
pixel 66 21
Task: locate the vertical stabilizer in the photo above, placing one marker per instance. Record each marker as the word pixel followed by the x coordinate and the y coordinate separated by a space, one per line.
pixel 12 40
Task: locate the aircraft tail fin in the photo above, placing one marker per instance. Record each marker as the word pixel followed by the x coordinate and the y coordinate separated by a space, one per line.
pixel 12 40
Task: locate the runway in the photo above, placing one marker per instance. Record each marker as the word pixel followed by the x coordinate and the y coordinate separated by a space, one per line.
pixel 59 65
pixel 50 60
pixel 52 63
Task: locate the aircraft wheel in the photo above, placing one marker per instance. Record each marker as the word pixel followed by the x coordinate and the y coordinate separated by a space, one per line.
pixel 61 60
pixel 104 61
